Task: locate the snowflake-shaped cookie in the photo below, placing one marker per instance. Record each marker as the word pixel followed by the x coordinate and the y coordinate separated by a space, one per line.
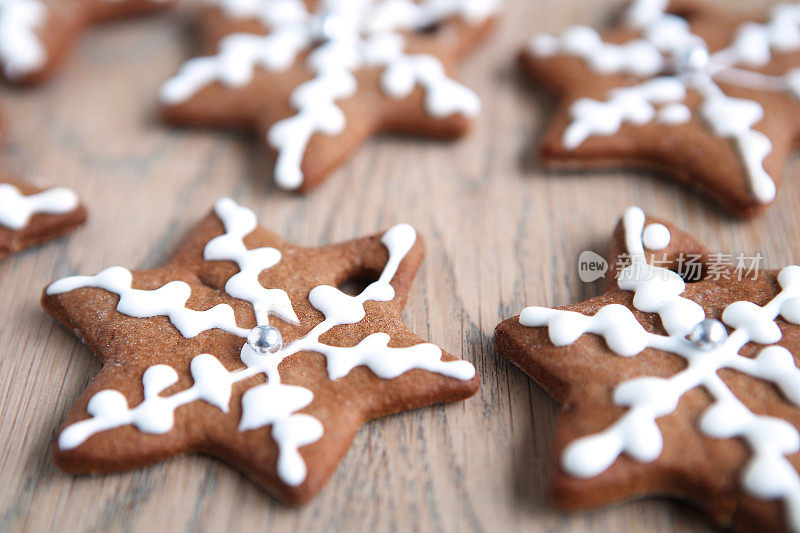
pixel 192 364
pixel 315 79
pixel 708 97
pixel 36 35
pixel 659 396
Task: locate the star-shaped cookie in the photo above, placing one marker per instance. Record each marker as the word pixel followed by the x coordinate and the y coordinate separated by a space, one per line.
pixel 670 387
pixel 30 215
pixel 191 363
pixel 37 35
pixel 706 96
pixel 315 79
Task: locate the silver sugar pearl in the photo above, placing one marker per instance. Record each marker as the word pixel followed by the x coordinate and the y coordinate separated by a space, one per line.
pixel 708 334
pixel 265 339
pixel 695 59
pixel 332 25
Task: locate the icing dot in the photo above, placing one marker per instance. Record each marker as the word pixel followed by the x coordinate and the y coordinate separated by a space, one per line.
pixel 674 114
pixel 694 59
pixel 656 237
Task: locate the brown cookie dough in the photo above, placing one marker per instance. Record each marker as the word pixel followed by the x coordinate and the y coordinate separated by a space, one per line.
pixel 316 79
pixel 36 36
pixel 707 96
pixel 672 388
pixel 243 348
pixel 31 215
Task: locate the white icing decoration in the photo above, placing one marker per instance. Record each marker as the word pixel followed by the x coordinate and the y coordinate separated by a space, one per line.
pixel 645 12
pixel 239 222
pixel 168 300
pixel 343 36
pixel 271 403
pixel 768 474
pixel 21 50
pixel 638 57
pixel 667 44
pixel 656 237
pixel 635 105
pixel 793 82
pixel 674 114
pixel 17 209
pixel 734 118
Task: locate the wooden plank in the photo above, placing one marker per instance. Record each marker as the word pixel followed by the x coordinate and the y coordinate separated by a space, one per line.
pixel 500 233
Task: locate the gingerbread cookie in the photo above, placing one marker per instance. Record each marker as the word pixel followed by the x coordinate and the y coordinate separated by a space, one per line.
pixel 36 35
pixel 30 215
pixel 673 388
pixel 708 97
pixel 315 79
pixel 193 365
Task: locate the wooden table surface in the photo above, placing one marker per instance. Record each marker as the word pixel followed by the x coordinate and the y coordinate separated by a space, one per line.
pixel 501 234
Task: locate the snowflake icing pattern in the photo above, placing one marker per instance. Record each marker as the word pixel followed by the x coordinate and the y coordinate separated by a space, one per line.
pixel 271 403
pixel 671 60
pixel 341 37
pixel 768 473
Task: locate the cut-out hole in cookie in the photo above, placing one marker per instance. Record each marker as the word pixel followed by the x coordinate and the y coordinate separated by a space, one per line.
pixel 356 285
pixel 684 13
pixel 430 29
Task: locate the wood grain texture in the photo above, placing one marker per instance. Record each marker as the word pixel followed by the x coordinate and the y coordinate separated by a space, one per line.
pixel 500 233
